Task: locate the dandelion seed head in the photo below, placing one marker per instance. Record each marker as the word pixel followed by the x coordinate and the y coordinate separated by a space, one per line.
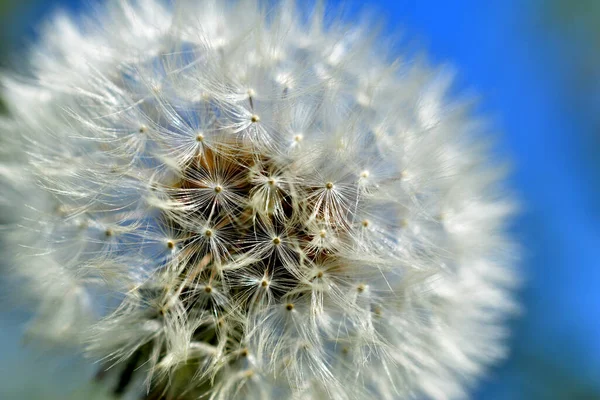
pixel 245 200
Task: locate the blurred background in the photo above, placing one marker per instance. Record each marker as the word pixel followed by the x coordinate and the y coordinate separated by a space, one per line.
pixel 535 64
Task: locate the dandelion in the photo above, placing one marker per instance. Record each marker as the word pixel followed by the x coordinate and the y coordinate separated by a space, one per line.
pixel 239 200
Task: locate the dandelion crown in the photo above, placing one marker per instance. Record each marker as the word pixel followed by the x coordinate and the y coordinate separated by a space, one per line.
pixel 238 200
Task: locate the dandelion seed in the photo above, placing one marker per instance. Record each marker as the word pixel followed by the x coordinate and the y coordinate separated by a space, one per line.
pixel 254 203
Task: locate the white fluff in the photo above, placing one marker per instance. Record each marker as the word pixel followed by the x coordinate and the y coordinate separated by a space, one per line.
pixel 237 200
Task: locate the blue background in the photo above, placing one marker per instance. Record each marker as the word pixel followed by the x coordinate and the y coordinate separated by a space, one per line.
pixel 536 67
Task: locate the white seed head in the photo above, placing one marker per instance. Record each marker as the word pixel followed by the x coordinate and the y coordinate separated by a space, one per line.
pixel 239 200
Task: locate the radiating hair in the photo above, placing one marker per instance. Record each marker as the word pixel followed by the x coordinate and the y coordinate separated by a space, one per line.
pixel 244 200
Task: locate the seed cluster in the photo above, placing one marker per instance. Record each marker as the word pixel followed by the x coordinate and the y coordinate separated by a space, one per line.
pixel 242 200
pixel 218 244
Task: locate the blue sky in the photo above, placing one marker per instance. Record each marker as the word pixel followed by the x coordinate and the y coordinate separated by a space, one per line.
pixel 511 55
